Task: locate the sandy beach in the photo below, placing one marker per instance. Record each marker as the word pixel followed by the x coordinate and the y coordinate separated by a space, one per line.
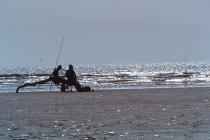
pixel 180 114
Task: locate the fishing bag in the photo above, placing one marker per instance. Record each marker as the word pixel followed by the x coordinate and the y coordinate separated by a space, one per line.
pixel 84 89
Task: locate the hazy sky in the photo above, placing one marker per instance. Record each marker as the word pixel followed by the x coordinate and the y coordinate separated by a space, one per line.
pixel 103 31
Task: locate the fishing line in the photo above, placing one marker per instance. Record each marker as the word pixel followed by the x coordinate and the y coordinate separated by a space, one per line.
pixel 59 52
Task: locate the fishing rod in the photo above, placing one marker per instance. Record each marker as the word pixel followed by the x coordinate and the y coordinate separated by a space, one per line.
pixel 59 52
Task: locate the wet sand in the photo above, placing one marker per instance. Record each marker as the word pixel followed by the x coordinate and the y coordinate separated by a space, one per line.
pixel 111 114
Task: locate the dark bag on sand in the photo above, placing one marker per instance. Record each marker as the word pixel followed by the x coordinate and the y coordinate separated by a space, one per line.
pixel 84 89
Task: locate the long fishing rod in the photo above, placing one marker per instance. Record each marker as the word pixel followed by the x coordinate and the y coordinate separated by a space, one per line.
pixel 59 52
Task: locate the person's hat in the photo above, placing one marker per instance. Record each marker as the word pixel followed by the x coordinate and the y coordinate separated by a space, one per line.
pixel 59 67
pixel 70 66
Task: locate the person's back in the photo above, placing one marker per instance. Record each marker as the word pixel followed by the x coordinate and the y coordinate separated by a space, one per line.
pixel 71 76
pixel 72 80
pixel 55 73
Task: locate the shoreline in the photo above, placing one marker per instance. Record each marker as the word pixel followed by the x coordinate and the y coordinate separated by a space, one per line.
pixel 111 90
pixel 163 113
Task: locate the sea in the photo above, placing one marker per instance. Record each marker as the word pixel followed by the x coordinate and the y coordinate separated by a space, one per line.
pixel 110 76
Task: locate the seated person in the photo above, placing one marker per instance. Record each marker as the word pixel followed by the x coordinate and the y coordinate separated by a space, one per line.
pixel 55 76
pixel 71 75
pixel 72 78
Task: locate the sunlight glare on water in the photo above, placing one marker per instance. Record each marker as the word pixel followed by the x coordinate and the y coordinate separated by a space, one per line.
pixel 127 76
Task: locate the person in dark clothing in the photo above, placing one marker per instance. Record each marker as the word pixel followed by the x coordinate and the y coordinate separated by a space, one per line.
pixel 55 76
pixel 71 75
pixel 72 78
pixel 57 79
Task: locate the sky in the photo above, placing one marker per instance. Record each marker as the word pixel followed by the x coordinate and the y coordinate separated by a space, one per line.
pixel 103 31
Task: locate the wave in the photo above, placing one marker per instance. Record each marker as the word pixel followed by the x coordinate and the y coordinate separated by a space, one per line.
pixel 22 75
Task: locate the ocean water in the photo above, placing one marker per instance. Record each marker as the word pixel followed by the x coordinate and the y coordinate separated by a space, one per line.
pixel 127 76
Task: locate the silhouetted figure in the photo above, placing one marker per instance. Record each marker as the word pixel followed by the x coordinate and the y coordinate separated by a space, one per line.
pixel 72 81
pixel 71 75
pixel 54 77
pixel 72 78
